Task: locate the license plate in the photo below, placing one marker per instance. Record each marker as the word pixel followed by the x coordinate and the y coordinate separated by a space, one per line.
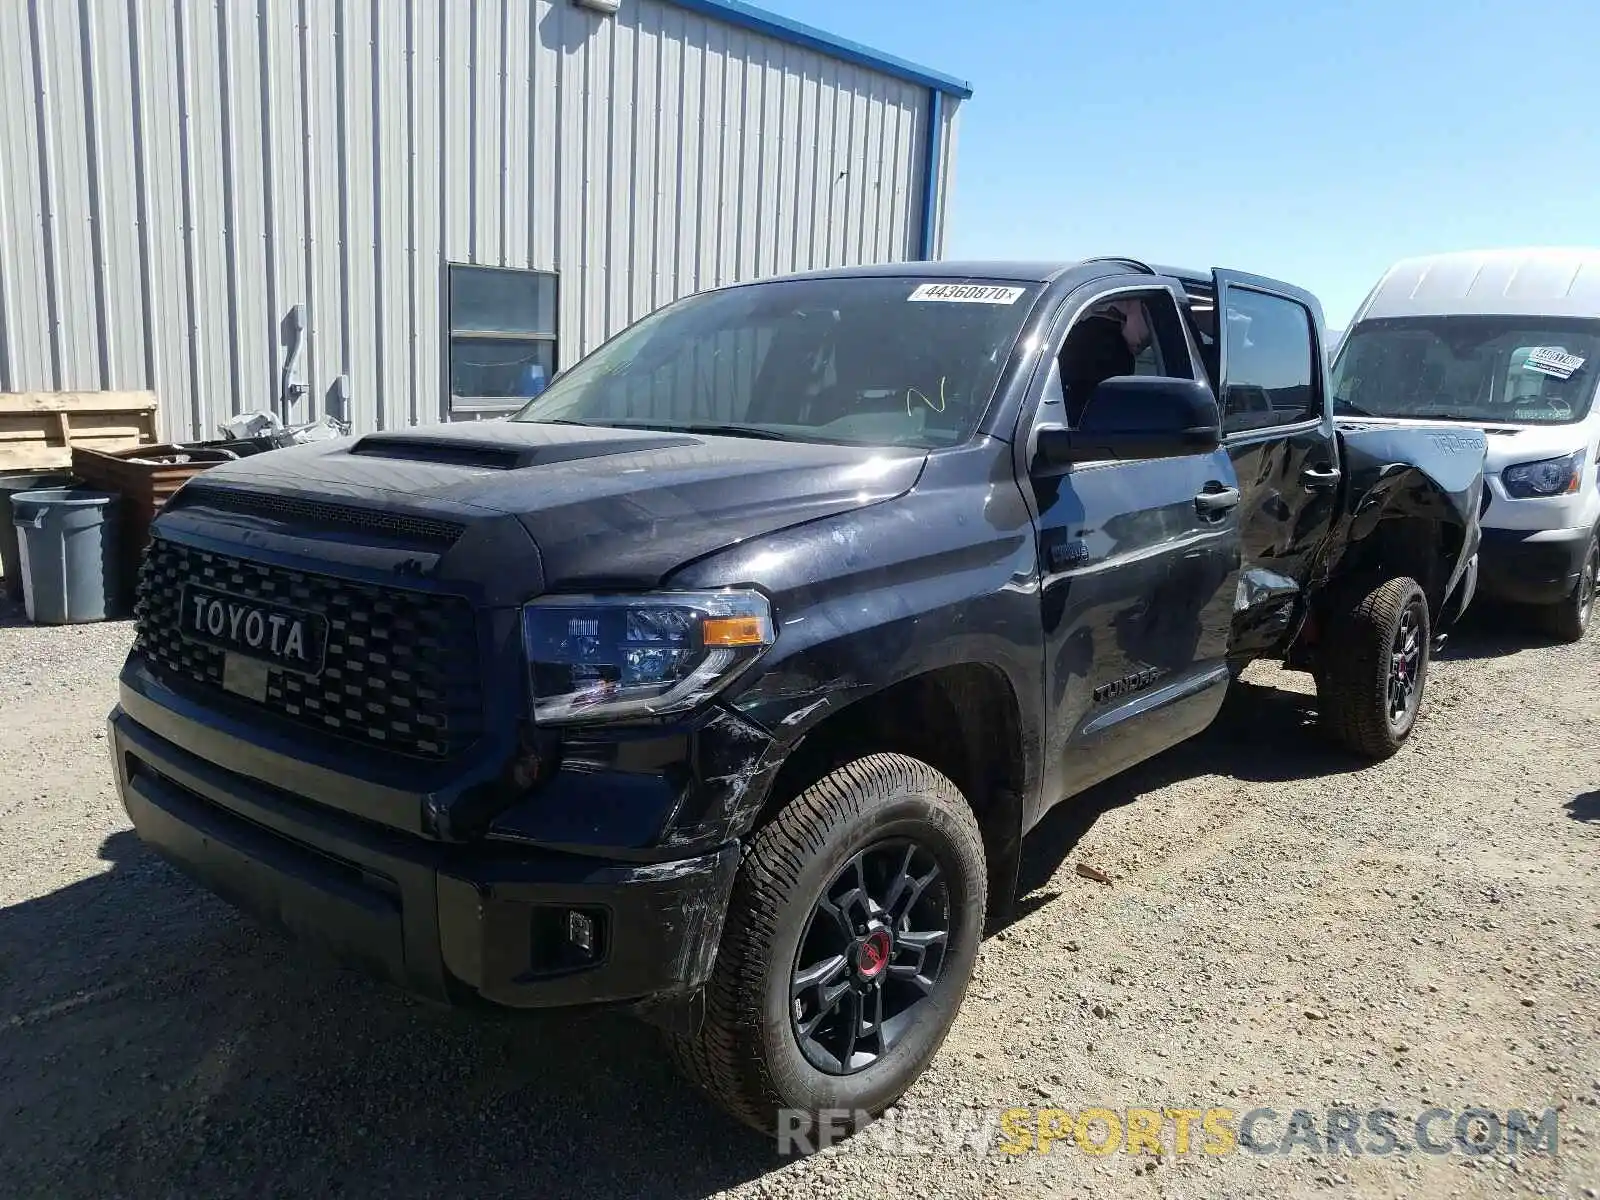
pixel 286 638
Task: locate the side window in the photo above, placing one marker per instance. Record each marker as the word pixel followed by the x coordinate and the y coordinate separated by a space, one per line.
pixel 1270 362
pixel 502 336
pixel 1131 333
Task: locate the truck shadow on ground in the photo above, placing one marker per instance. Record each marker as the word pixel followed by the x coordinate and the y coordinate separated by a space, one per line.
pixel 1263 734
pixel 154 1043
pixel 1491 630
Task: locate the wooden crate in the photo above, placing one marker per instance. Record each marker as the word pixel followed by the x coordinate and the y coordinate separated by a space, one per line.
pixel 38 430
pixel 144 487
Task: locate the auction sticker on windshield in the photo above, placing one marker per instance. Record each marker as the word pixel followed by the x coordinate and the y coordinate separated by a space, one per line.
pixel 966 293
pixel 1553 360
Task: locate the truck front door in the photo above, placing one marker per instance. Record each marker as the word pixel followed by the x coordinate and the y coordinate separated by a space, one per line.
pixel 1277 425
pixel 1138 560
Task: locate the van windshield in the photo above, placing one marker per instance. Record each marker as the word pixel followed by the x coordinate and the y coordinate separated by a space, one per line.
pixel 1517 370
pixel 856 360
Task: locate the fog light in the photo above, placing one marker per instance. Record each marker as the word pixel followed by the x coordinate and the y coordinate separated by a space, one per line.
pixel 580 931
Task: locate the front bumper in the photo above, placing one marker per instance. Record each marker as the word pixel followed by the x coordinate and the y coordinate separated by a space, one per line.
pixel 450 922
pixel 1531 566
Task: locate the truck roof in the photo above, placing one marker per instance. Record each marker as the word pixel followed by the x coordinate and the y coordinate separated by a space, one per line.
pixel 1036 271
pixel 1520 281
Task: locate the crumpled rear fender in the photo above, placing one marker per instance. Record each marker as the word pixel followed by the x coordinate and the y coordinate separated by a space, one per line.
pixel 1422 476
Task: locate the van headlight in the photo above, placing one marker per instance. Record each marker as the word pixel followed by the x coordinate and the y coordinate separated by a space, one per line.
pixel 1548 477
pixel 606 657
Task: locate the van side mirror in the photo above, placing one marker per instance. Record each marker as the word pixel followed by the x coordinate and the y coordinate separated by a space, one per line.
pixel 1137 417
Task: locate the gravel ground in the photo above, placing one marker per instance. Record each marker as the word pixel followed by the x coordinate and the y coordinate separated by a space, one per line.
pixel 1282 930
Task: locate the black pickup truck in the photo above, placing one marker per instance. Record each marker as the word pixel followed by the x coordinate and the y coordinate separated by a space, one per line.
pixel 722 682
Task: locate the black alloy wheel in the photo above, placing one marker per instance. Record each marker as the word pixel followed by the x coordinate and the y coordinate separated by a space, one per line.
pixel 871 956
pixel 1405 665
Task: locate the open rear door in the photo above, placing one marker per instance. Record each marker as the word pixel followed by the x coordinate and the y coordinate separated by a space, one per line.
pixel 1277 424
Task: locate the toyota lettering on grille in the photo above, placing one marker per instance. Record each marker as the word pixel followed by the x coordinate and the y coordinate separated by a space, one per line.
pixel 285 638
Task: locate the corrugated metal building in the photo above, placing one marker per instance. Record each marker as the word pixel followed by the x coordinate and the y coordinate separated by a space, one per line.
pixel 234 201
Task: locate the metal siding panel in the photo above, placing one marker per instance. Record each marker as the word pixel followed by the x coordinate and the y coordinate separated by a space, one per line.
pixel 324 183
pixel 458 143
pixel 567 28
pixel 429 399
pixel 357 122
pixel 806 166
pixel 596 55
pixel 282 77
pixel 910 167
pixel 643 258
pixel 859 182
pixel 670 119
pixel 26 362
pixel 837 140
pixel 544 208
pixel 622 185
pixel 947 173
pixel 691 161
pixel 207 215
pixel 516 100
pixel 893 198
pixel 774 213
pixel 714 125
pixel 752 121
pixel 485 96
pixel 164 188
pixel 69 191
pixel 253 346
pixel 730 164
pixel 118 215
pixel 392 183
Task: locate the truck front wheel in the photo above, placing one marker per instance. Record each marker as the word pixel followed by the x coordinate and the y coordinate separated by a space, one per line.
pixel 849 941
pixel 1374 667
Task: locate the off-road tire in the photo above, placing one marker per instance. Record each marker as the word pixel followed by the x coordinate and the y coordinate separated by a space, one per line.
pixel 1570 620
pixel 746 1055
pixel 1353 674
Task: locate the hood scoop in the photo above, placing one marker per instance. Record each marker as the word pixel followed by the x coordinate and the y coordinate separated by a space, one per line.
pixel 501 453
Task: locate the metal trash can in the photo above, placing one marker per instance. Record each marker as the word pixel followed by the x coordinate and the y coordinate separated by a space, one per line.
pixel 68 543
pixel 10 485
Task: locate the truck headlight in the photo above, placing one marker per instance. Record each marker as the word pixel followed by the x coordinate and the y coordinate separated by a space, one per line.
pixel 1548 477
pixel 604 657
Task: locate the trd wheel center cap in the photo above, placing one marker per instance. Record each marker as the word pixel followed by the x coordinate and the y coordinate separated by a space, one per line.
pixel 872 954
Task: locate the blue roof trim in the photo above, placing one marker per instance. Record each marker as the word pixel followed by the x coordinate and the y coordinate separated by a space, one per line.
pixel 932 169
pixel 747 16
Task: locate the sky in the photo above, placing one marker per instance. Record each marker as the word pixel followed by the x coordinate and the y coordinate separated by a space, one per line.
pixel 1315 143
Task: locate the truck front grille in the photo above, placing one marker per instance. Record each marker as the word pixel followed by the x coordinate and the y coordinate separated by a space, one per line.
pixel 401 669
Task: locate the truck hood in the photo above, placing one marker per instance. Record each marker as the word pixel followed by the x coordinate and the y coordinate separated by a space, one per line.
pixel 605 507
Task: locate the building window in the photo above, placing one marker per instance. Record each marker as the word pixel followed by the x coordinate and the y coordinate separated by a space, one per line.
pixel 502 336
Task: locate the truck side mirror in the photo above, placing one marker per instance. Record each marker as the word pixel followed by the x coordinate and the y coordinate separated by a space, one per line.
pixel 1137 417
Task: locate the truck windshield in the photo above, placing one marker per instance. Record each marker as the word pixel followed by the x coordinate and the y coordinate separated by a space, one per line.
pixel 856 360
pixel 1517 370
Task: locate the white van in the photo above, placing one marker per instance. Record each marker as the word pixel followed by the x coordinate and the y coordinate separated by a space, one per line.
pixel 1508 341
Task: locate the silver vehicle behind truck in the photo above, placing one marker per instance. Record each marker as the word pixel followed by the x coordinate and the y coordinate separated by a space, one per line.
pixel 1508 341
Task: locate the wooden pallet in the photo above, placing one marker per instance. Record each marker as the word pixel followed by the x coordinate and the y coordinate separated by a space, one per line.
pixel 39 429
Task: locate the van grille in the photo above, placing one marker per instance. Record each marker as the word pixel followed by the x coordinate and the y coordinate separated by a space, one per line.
pixel 401 667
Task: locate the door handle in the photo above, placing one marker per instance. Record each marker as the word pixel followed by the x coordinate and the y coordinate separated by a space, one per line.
pixel 1216 500
pixel 1320 479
